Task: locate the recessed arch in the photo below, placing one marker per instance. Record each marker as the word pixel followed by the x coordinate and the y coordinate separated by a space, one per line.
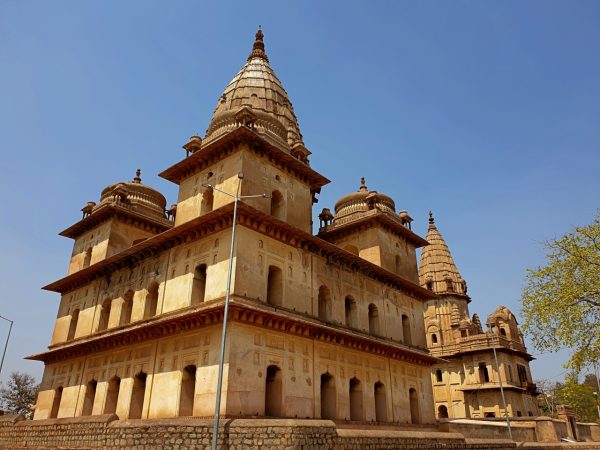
pixel 406 332
pixel 199 285
pixel 328 396
pixel 356 399
pixel 137 396
pixel 273 392
pixel 56 402
pixel 275 286
pixel 373 320
pixel 126 308
pixel 188 391
pixel 277 205
pixel 442 412
pixel 112 395
pixel 350 312
pixel 380 402
pixel 207 203
pixel 73 324
pixel 88 400
pixel 415 416
pixel 104 314
pixel 324 303
pixel 151 302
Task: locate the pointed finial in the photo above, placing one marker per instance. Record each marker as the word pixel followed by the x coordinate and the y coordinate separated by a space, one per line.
pixel 258 49
pixel 363 185
pixel 137 178
pixel 431 220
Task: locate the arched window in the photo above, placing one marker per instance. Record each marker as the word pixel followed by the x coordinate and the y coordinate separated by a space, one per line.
pixel 328 397
pixel 373 320
pixel 275 286
pixel 350 309
pixel 442 412
pixel 151 303
pixel 73 324
pixel 206 205
pixel 434 339
pixel 277 205
pixel 429 285
pixel 112 395
pixel 199 285
pixel 104 314
pixel 484 376
pixel 87 258
pixel 415 416
pixel 56 402
pixel 398 264
pixel 380 403
pixel 126 308
pixel 90 395
pixel 438 376
pixel 188 391
pixel 356 399
pixel 406 330
pixel 449 285
pixel 324 301
pixel 502 331
pixel 137 396
pixel 273 392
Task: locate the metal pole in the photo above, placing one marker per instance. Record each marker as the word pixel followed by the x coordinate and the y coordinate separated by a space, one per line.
pixel 598 391
pixel 502 390
pixel 224 332
pixel 6 344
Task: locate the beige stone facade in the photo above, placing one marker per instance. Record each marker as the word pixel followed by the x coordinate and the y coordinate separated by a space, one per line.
pixel 327 326
pixel 467 383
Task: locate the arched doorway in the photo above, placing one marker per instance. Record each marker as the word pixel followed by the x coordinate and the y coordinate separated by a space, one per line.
pixel 356 399
pixel 373 320
pixel 137 396
pixel 90 395
pixel 380 403
pixel 112 395
pixel 188 391
pixel 273 392
pixel 415 416
pixel 350 310
pixel 199 285
pixel 56 402
pixel 328 396
pixel 324 301
pixel 275 286
pixel 442 412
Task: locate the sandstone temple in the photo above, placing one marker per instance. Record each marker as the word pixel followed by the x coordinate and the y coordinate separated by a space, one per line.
pixel 342 325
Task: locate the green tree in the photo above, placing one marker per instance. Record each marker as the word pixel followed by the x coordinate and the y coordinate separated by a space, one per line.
pixel 580 397
pixel 561 300
pixel 19 394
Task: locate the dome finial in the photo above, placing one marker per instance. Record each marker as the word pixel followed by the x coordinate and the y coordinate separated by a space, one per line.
pixel 137 178
pixel 431 219
pixel 363 185
pixel 258 49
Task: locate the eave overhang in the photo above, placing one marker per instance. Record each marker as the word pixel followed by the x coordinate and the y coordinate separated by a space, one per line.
pixel 378 218
pixel 108 211
pixel 221 147
pixel 248 217
pixel 242 311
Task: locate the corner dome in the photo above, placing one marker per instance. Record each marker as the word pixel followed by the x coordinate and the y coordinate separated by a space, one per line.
pixel 502 313
pixel 357 204
pixel 256 96
pixel 135 196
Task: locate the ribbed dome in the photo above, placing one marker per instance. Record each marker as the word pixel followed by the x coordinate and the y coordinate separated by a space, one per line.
pixel 135 196
pixel 257 90
pixel 437 270
pixel 502 313
pixel 356 204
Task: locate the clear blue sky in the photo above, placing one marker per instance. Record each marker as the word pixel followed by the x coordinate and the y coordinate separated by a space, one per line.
pixel 487 113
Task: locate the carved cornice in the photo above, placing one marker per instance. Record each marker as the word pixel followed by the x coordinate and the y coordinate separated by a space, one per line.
pixel 241 311
pixel 376 218
pixel 222 147
pixel 250 218
pixel 113 210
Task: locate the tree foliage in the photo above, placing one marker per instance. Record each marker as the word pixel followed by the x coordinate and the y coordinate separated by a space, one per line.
pixel 19 394
pixel 561 300
pixel 580 397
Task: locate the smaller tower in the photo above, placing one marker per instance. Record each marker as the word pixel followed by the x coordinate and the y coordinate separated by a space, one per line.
pixel 467 383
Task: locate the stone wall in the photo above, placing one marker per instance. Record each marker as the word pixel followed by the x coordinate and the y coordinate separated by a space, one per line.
pixel 107 432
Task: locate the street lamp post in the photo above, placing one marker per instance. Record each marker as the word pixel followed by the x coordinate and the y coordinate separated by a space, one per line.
pixel 501 389
pixel 236 199
pixel 6 344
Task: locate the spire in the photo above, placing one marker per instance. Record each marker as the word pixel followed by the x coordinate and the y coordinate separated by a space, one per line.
pixel 258 49
pixel 137 179
pixel 437 270
pixel 363 185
